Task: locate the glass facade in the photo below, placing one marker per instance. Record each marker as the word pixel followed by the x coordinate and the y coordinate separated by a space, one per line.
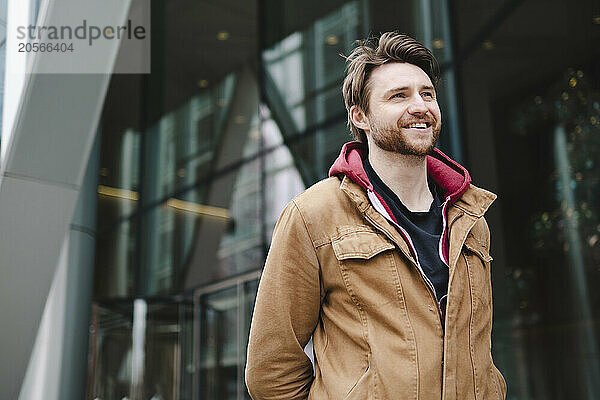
pixel 530 104
pixel 243 110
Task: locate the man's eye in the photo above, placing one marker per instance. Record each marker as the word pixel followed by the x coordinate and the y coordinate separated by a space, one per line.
pixel 399 95
pixel 427 94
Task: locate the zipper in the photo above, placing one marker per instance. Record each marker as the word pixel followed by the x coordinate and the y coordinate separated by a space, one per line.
pixel 444 234
pixel 417 265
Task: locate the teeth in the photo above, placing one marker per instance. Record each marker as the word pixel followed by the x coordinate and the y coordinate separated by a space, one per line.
pixel 419 125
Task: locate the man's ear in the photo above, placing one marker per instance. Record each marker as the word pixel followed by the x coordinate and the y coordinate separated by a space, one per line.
pixel 359 119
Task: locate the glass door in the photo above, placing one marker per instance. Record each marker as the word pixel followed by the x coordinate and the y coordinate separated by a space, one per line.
pixel 173 349
pixel 222 318
pixel 136 350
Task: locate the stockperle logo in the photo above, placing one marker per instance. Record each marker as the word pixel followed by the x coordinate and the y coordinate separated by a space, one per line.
pixel 82 36
pixel 84 31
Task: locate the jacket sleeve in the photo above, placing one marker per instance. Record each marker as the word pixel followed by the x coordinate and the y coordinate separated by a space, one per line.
pixel 285 314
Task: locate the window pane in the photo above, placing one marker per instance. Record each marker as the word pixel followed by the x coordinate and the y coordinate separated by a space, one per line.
pixel 114 274
pixel 136 350
pixel 204 234
pixel 219 345
pixel 118 183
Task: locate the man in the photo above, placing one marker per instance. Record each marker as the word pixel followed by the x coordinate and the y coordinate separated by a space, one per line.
pixel 386 263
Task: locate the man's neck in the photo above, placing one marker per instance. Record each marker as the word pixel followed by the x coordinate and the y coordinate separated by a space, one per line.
pixel 405 175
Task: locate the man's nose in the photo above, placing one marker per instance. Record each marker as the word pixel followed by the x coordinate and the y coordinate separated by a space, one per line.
pixel 417 105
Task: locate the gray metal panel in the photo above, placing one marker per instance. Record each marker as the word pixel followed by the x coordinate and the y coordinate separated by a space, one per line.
pixel 57 137
pixel 39 186
pixel 34 217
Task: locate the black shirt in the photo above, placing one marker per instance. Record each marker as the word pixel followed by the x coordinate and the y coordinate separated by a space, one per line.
pixel 424 229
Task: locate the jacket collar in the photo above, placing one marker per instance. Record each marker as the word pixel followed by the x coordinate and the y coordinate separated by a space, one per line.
pixel 451 178
pixel 475 201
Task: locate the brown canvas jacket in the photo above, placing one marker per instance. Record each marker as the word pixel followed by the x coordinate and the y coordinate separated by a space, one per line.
pixel 340 271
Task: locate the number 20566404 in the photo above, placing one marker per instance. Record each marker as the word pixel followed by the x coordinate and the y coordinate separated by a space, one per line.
pixel 45 47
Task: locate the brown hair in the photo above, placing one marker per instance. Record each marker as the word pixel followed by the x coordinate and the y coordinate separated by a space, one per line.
pixel 373 52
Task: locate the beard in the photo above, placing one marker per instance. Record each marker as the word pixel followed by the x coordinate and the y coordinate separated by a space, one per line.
pixel 395 139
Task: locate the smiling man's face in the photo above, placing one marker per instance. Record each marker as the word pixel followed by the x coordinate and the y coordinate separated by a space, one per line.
pixel 404 116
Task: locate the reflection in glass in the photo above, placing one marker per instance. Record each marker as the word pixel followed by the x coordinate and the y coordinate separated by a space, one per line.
pixel 110 346
pixel 182 146
pixel 114 272
pixel 247 301
pixel 210 232
pixel 201 209
pixel 218 345
pixel 433 29
pixel 119 178
pixel 187 352
pixel 240 248
pixel 588 345
pixel 553 141
pixel 302 76
pixel 282 178
pixel 224 325
pixel 136 351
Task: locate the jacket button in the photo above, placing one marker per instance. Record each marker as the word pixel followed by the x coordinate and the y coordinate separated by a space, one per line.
pixel 431 308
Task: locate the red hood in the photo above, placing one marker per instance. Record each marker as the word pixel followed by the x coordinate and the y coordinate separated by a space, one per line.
pixel 450 177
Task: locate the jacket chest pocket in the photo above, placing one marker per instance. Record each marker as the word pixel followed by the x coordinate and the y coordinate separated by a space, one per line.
pixel 478 261
pixel 367 265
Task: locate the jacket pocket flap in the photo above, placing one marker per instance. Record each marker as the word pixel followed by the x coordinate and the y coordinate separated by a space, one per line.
pixel 362 245
pixel 478 248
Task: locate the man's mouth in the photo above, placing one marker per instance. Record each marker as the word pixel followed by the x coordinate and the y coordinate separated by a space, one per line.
pixel 418 125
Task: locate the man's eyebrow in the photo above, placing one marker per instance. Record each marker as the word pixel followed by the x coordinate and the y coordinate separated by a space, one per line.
pixel 396 89
pixel 400 89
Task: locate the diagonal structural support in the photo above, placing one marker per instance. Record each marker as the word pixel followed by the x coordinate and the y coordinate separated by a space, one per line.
pixel 40 178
